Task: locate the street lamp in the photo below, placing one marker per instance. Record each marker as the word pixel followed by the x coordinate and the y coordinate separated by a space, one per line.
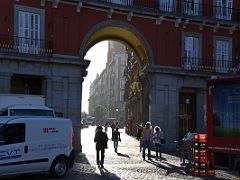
pixel 110 112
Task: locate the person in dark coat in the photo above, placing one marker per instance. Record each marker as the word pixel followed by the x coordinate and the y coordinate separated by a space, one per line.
pixel 116 138
pixel 101 140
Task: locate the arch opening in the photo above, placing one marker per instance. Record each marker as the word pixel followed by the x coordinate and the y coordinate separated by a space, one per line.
pixel 118 31
pixel 139 56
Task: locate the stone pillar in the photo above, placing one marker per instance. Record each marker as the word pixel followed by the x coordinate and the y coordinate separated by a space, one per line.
pixel 5 83
pixel 47 91
pixel 75 98
pixel 201 110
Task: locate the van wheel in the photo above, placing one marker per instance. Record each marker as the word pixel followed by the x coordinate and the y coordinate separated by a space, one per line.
pixel 59 167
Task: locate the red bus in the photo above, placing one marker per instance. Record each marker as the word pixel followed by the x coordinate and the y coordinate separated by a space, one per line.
pixel 223 121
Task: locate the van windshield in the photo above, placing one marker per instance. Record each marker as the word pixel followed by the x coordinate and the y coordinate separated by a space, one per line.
pixel 31 112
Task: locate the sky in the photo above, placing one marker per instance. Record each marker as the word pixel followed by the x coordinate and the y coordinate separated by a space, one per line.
pixel 98 57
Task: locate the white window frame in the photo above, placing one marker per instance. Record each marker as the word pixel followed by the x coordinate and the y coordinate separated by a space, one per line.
pixel 122 83
pixel 167 5
pixel 222 54
pixel 121 96
pixel 29 28
pixel 223 11
pixel 192 7
pixel 122 71
pixel 192 44
pixel 29 32
pixel 123 2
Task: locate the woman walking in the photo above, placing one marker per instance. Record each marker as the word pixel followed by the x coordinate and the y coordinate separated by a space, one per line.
pixel 157 136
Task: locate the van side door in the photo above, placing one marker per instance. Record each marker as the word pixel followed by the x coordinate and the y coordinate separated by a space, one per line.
pixel 12 148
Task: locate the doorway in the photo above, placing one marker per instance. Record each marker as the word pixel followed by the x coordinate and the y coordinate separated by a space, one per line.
pixel 26 84
pixel 187 112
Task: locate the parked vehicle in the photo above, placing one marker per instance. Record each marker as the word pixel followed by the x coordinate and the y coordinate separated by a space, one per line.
pixel 89 120
pixel 24 105
pixel 27 110
pixel 223 121
pixel 21 99
pixel 36 144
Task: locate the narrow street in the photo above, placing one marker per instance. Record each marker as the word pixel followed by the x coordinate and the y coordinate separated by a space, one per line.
pixel 126 165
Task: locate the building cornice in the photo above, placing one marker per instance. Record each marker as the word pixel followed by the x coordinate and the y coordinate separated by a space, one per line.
pixel 181 72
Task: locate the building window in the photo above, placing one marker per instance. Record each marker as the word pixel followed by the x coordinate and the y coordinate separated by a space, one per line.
pixel 123 62
pixel 122 72
pixel 191 51
pixel 192 7
pixel 123 2
pixel 122 83
pixel 29 28
pixel 167 5
pixel 223 60
pixel 224 9
pixel 121 95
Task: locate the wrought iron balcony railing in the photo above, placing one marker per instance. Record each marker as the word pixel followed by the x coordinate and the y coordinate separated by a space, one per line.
pixel 177 7
pixel 213 65
pixel 20 45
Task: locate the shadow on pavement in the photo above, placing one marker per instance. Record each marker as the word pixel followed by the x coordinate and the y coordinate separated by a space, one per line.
pixel 85 170
pixel 123 155
pixel 82 170
pixel 176 169
pixel 170 168
pixel 81 158
pixel 35 176
pixel 107 175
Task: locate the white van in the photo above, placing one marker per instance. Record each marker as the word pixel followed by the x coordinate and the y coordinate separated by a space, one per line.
pixel 27 110
pixel 36 144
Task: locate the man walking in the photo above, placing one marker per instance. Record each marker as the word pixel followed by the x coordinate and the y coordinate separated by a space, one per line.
pixel 101 140
pixel 116 138
pixel 147 137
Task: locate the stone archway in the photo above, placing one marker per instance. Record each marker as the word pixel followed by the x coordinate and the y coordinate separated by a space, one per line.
pixel 118 30
pixel 128 34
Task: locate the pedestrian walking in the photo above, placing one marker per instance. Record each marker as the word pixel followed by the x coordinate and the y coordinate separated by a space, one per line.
pixel 157 136
pixel 101 140
pixel 113 127
pixel 139 134
pixel 106 127
pixel 116 124
pixel 116 137
pixel 147 137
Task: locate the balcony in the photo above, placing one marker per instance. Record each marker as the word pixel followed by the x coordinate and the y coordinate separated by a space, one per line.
pixel 20 45
pixel 182 8
pixel 208 65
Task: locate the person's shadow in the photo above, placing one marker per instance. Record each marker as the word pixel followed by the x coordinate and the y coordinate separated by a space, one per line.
pixel 123 155
pixel 106 174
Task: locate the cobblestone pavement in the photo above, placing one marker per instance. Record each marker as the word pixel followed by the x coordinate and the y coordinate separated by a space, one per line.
pixel 127 165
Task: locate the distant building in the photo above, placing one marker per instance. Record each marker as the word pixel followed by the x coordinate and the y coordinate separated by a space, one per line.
pixel 107 90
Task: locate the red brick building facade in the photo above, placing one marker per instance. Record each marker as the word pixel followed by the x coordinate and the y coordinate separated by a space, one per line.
pixel 180 43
